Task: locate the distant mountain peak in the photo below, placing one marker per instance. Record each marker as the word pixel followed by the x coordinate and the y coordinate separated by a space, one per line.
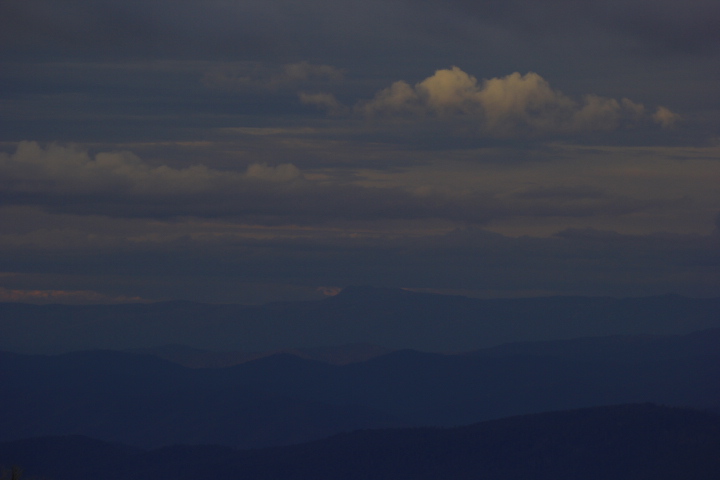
pixel 366 291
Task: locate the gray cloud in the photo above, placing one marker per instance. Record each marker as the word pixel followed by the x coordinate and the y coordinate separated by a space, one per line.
pixel 65 179
pixel 260 77
pixel 323 101
pixel 62 170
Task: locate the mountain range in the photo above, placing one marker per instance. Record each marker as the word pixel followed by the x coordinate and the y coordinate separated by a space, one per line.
pixel 368 384
pixel 388 318
pixel 626 442
pixel 142 400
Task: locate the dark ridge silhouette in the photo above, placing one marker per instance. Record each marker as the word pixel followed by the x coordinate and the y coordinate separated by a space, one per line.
pixel 198 358
pixel 627 442
pixel 389 318
pixel 284 399
pixel 617 348
pixel 145 401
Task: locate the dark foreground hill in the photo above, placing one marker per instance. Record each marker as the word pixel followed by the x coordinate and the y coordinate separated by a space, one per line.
pixel 391 319
pixel 630 442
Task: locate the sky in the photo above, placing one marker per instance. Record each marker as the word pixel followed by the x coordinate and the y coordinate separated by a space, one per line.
pixel 269 150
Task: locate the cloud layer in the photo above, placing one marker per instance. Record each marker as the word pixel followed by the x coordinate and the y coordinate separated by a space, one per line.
pixel 121 184
pixel 185 149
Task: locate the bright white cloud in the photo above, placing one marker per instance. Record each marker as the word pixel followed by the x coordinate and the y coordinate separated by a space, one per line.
pixel 508 106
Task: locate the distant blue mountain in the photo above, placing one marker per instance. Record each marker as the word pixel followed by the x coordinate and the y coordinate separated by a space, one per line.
pixel 199 358
pixel 144 401
pixel 389 318
pixel 283 399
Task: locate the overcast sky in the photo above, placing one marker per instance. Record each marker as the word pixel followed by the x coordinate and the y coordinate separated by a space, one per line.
pixel 258 150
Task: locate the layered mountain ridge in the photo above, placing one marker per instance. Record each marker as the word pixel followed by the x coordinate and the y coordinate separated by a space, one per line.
pixel 388 318
pixel 626 442
pixel 280 399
